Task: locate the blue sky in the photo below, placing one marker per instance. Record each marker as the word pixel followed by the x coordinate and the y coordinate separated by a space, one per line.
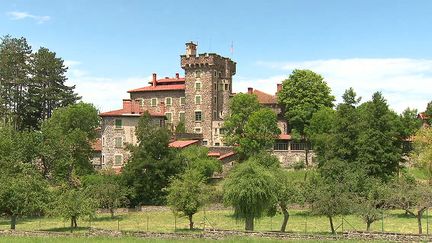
pixel 113 46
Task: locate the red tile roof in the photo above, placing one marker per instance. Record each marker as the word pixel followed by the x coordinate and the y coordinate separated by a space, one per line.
pixel 264 98
pixel 130 108
pixel 226 155
pixel 182 143
pixel 213 154
pixel 169 80
pixel 285 137
pixel 159 88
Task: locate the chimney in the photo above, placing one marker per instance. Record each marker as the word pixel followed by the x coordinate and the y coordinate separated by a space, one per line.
pixel 279 88
pixel 127 105
pixel 250 90
pixel 177 75
pixel 154 79
pixel 191 49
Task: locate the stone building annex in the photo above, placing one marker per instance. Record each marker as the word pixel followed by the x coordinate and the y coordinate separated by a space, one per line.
pixel 199 100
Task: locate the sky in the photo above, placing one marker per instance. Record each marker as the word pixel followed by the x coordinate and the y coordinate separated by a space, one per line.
pixel 114 46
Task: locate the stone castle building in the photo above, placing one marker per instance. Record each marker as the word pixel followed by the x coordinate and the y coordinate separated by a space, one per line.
pixel 199 101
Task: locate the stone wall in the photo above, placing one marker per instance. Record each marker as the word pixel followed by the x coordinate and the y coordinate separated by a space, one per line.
pixel 288 158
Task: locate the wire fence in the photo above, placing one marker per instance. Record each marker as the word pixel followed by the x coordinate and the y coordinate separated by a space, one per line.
pixel 165 221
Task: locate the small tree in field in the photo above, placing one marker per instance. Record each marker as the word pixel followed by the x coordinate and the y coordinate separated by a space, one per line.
pixel 72 204
pixel 187 194
pixel 250 190
pixel 413 197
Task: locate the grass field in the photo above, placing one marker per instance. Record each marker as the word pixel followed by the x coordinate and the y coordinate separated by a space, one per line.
pixel 164 221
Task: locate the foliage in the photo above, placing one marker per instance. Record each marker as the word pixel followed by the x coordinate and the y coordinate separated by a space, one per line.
pixel 66 150
pixel 107 190
pixel 249 189
pixel 180 128
pixel 32 85
pixel 241 107
pixel 260 132
pixel 413 197
pixel 428 113
pixel 152 163
pixel 410 123
pixel 303 94
pixel 422 153
pixel 379 143
pixel 188 193
pixel 72 203
pixel 196 158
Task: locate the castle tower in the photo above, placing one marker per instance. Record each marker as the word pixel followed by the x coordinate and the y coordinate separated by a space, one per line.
pixel 208 80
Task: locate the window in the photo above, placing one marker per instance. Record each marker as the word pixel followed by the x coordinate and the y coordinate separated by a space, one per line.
pixel 154 102
pixel 215 100
pixel 168 101
pixel 216 131
pixel 197 130
pixel 214 115
pixel 226 87
pixel 118 159
pixel 215 86
pixel 182 116
pixel 103 140
pixel 198 116
pixel 118 142
pixel 169 117
pixel 197 86
pixel 103 159
pixel 197 74
pixel 221 130
pixel 182 100
pixel 141 102
pixel 204 142
pixel 118 123
pixel 297 146
pixel 217 144
pixel 198 99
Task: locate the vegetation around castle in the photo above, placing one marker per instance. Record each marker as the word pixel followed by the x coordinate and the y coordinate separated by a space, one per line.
pixel 360 172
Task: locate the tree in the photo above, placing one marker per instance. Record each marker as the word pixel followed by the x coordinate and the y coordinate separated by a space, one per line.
pixel 196 158
pixel 66 142
pixel 107 190
pixel 428 113
pixel 422 154
pixel 288 192
pixel 249 189
pixel 411 196
pixel 371 201
pixel 15 57
pixel 22 194
pixel 152 163
pixel 303 94
pixel 260 132
pixel 72 204
pixel 330 192
pixel 22 190
pixel 241 107
pixel 379 143
pixel 410 123
pixel 47 89
pixel 188 193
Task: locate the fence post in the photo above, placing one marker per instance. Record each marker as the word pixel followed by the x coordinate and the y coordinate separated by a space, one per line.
pixel 271 223
pixel 147 222
pixel 175 222
pixel 427 221
pixel 342 224
pixel 382 222
pixel 306 224
pixel 118 224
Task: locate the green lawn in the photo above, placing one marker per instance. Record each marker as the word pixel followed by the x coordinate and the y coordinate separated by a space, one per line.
pixel 164 221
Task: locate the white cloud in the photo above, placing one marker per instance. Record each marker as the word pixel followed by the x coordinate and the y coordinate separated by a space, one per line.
pixel 404 82
pixel 15 15
pixel 105 93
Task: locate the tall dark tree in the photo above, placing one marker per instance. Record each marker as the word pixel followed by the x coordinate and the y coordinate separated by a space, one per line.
pixel 379 144
pixel 47 90
pixel 152 163
pixel 15 55
pixel 303 94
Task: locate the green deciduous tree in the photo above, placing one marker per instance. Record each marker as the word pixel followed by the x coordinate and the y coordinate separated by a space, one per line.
pixel 196 158
pixel 152 163
pixel 66 142
pixel 188 193
pixel 107 190
pixel 250 190
pixel 72 204
pixel 303 94
pixel 413 197
pixel 422 154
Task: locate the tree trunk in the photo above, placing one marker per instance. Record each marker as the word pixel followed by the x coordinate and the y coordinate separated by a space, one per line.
pixel 419 216
pixel 306 154
pixel 285 219
pixel 249 223
pixel 191 224
pixel 72 225
pixel 75 222
pixel 331 225
pixel 111 212
pixel 368 224
pixel 13 222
